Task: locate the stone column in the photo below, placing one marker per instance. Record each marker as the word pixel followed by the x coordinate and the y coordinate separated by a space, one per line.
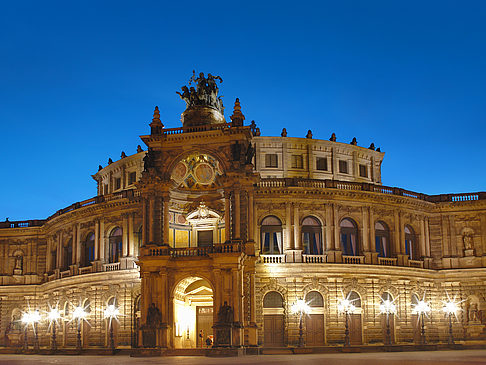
pixel 125 235
pixel 287 244
pixel 59 250
pixel 131 241
pixel 297 240
pixel 151 219
pixel 427 237
pixel 328 229
pixel 251 229
pixel 102 240
pixel 422 238
pixel 337 241
pixel 97 240
pixel 166 219
pixel 144 221
pixel 78 245
pixel 374 254
pixel 237 213
pixel 227 217
pixel 366 235
pixel 396 233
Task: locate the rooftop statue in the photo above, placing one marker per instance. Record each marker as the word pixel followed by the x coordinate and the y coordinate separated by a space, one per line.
pixel 204 94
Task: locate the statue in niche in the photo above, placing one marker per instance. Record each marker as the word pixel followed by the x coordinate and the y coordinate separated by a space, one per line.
pixel 225 314
pixel 473 312
pixel 19 263
pixel 154 318
pixel 467 239
pixel 250 152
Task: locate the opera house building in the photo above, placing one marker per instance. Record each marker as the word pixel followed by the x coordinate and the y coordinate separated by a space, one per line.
pixel 212 235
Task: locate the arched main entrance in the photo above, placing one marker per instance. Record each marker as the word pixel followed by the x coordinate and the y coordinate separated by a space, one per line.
pixel 193 313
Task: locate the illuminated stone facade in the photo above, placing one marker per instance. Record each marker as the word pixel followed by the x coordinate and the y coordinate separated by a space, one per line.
pixel 216 231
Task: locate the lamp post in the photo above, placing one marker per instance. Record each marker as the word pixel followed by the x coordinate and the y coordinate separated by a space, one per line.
pixel 388 308
pixel 450 308
pixel 79 314
pixel 300 307
pixel 111 313
pixel 422 308
pixel 31 318
pixel 53 316
pixel 345 306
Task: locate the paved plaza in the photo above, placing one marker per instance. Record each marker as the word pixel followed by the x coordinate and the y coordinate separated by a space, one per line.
pixel 403 358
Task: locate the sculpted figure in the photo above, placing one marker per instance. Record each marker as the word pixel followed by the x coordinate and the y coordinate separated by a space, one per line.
pixel 153 316
pixel 18 262
pixel 186 95
pixel 468 241
pixel 225 313
pixel 473 313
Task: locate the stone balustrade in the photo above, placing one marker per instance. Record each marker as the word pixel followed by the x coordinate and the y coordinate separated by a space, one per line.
pixel 273 259
pixel 314 259
pixel 387 261
pixel 353 260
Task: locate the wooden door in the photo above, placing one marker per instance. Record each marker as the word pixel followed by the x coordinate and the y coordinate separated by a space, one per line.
pixel 355 337
pixel 392 327
pixel 416 327
pixel 273 327
pixel 204 322
pixel 314 329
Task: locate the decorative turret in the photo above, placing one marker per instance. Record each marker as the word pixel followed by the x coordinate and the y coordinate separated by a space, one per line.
pixel 203 105
pixel 156 125
pixel 237 118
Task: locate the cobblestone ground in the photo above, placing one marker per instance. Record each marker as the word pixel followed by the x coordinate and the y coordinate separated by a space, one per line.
pixel 403 358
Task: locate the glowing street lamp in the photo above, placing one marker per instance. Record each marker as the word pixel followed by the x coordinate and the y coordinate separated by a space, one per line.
pixel 79 314
pixel 450 308
pixel 31 318
pixel 347 307
pixel 422 308
pixel 388 308
pixel 300 307
pixel 53 316
pixel 111 313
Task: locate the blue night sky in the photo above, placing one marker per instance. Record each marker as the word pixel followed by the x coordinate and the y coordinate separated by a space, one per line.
pixel 79 82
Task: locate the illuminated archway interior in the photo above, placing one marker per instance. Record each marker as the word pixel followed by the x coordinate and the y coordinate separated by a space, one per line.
pixel 193 313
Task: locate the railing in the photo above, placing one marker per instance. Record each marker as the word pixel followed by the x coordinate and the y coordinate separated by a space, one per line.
pixel 272 259
pixel 111 267
pixel 85 270
pixel 52 277
pixel 416 263
pixel 387 261
pixel 314 259
pixel 228 247
pixel 65 274
pixel 353 259
pixel 22 224
pixel 199 128
pixel 349 185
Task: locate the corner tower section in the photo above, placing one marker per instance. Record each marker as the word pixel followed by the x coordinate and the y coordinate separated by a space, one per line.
pixel 197 205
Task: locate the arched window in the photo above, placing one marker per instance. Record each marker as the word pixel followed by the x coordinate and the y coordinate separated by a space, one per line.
pixel 415 300
pixel 311 236
pixel 314 299
pixel 87 252
pixel 87 306
pixel 354 298
pixel 115 245
pixel 386 296
pixel 349 237
pixel 382 240
pixel 271 235
pixel 273 299
pixel 67 255
pixel 112 301
pixel 411 246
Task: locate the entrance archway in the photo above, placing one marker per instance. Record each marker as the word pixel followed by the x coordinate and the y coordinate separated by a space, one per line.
pixel 193 313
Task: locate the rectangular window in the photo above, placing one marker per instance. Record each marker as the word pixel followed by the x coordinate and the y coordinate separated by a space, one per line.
pixel 297 162
pixel 363 171
pixel 321 163
pixel 117 183
pixel 343 167
pixel 132 177
pixel 105 189
pixel 271 160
